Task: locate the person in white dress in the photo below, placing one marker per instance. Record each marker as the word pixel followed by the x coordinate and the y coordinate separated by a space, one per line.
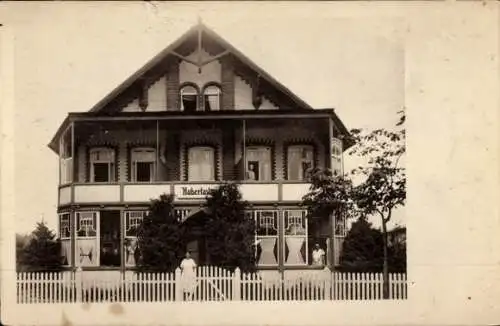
pixel 318 256
pixel 188 274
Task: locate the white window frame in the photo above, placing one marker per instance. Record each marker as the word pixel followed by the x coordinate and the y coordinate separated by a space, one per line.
pixel 191 166
pixel 135 157
pixel 182 213
pixel 111 162
pixel 91 222
pixel 340 229
pixel 291 218
pixel 212 91
pixel 257 214
pixel 133 218
pixel 64 223
pixel 66 157
pixel 183 92
pixel 268 149
pixel 310 160
pixel 337 156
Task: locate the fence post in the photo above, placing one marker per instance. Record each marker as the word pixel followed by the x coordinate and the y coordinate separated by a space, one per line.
pixel 236 284
pixel 178 285
pixel 78 284
pixel 328 284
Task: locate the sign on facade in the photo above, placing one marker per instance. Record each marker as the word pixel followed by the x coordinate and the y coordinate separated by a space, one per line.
pixel 189 192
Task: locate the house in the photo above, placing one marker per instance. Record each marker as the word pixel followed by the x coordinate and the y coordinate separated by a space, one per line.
pixel 197 114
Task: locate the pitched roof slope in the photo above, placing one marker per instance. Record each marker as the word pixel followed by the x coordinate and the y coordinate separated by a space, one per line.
pixel 200 27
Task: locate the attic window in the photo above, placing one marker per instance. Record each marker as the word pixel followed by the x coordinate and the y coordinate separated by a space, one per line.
pixel 189 98
pixel 211 98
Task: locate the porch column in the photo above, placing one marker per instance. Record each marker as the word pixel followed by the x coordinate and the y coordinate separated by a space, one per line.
pixel 281 244
pixel 122 242
pixel 332 216
pixel 157 163
pixel 72 152
pixel 330 144
pixel 243 150
pixel 72 227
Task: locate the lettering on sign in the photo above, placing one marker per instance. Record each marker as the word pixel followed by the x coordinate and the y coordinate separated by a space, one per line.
pixel 193 192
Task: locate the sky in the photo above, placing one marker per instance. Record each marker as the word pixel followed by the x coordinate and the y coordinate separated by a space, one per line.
pixel 69 56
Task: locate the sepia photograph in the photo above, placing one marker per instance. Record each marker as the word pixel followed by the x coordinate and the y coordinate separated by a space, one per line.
pixel 201 177
pixel 166 156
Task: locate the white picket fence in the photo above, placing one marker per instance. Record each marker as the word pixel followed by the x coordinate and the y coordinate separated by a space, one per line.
pixel 211 284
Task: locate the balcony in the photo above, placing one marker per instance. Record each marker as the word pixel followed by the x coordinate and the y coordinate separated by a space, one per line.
pixel 184 192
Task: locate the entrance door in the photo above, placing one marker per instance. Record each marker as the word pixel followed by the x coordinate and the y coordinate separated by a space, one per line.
pixel 110 238
pixel 194 251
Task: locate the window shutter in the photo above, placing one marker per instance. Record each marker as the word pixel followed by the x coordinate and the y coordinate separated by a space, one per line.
pixel 337 164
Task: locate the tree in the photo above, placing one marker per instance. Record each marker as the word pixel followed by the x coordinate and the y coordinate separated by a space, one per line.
pixel 160 244
pixel 384 186
pixel 328 194
pixel 229 232
pixel 362 250
pixel 22 241
pixel 43 251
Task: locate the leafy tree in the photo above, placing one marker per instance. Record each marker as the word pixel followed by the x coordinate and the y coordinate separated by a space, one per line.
pixel 43 251
pixel 384 185
pixel 328 194
pixel 160 245
pixel 229 232
pixel 362 250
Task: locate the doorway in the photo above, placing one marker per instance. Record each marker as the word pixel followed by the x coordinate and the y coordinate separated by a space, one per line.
pixel 110 239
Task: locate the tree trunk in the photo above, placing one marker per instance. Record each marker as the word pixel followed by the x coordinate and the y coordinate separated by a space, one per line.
pixel 385 269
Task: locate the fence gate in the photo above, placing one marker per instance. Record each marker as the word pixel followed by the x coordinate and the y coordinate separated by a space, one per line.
pixel 211 284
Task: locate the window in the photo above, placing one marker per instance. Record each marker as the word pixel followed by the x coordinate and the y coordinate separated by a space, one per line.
pixel 102 165
pixel 182 214
pixel 64 226
pixel 211 98
pixel 65 155
pixel 258 163
pixel 340 224
pixel 189 98
pixel 143 164
pixel 86 224
pixel 266 237
pixel 295 237
pixel 337 157
pixel 201 164
pixel 133 220
pixel 300 162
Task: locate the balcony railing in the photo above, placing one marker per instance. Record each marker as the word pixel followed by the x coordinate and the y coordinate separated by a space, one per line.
pixel 184 192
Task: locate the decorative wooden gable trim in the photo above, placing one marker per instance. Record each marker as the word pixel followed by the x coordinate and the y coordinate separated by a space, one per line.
pixel 197 37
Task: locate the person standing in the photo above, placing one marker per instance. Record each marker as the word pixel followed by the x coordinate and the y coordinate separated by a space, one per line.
pixel 318 256
pixel 188 274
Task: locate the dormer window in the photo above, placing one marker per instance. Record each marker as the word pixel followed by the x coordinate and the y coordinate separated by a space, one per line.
pixel 211 97
pixel 189 98
pixel 102 165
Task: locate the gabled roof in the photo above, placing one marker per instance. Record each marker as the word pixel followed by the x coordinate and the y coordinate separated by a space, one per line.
pixel 199 28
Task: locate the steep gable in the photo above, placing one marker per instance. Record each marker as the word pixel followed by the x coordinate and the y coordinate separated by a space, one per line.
pixel 199 58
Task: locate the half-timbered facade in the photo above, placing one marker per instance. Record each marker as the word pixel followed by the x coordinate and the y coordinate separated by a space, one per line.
pixel 198 114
